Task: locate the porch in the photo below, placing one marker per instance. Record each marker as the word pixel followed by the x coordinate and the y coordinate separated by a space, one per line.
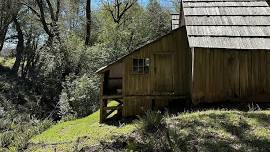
pixel 111 90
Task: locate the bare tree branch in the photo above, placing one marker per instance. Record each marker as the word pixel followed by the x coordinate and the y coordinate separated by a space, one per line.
pixel 42 18
pixel 58 4
pixel 51 9
pixel 118 8
pixel 32 9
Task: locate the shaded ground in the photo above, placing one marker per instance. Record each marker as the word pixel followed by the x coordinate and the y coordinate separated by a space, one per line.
pixel 183 106
pixel 206 131
pixel 224 130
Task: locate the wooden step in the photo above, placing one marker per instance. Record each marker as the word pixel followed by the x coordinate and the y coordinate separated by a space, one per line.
pixel 113 107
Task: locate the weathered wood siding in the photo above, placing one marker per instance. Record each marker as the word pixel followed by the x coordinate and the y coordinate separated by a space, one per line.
pixel 141 91
pixel 222 75
pixel 174 44
pixel 139 105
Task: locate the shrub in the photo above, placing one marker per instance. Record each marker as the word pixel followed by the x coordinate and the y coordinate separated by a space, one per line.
pixel 6 139
pixel 79 96
pixel 151 122
pixel 17 128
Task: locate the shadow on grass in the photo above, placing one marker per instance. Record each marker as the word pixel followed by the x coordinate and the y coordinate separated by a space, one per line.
pixel 4 69
pixel 177 107
pixel 225 132
pixel 118 121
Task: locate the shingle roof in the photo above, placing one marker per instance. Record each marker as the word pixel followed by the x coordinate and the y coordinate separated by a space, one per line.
pixel 234 24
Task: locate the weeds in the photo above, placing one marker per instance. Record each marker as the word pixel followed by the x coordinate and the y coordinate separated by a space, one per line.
pixel 151 122
pixel 16 132
pixel 206 131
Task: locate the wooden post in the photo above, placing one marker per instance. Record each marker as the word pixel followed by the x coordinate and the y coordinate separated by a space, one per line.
pixel 101 118
pixel 120 110
pixel 103 113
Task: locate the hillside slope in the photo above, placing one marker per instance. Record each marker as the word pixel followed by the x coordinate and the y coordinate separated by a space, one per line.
pixel 223 131
pixel 212 130
pixel 71 135
pixel 205 131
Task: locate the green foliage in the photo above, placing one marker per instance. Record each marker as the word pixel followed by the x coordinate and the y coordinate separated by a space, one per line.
pixel 6 139
pixel 75 49
pixel 94 58
pixel 151 126
pixel 158 19
pixel 19 110
pixel 16 130
pixel 139 26
pixel 209 131
pixel 57 79
pixel 151 122
pixel 60 69
pixel 79 96
pixel 7 62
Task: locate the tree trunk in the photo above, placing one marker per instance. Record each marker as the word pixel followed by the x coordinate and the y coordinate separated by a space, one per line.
pixel 20 46
pixel 88 23
pixel 3 34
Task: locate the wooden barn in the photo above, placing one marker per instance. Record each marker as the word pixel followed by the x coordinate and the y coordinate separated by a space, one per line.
pixel 219 53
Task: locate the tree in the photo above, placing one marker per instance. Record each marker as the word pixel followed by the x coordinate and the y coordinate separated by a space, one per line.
pixel 7 11
pixel 176 5
pixel 51 38
pixel 88 22
pixel 158 19
pixel 20 45
pixel 118 8
pixel 54 16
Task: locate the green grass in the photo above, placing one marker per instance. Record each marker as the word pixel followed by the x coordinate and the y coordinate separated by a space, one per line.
pixel 7 62
pixel 87 130
pixel 205 131
pixel 217 130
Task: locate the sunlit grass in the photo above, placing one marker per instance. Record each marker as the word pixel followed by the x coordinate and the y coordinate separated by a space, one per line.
pixel 7 62
pixel 212 130
pixel 87 130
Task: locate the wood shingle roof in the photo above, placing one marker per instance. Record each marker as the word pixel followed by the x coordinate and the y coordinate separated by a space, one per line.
pixel 232 24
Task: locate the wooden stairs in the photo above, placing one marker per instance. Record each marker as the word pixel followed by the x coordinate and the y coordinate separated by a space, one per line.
pixel 106 111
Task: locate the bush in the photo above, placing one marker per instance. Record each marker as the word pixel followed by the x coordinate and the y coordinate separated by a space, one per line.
pixel 151 122
pixel 15 135
pixel 6 139
pixel 153 135
pixel 79 96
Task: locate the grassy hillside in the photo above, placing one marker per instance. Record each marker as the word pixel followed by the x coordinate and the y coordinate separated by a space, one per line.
pixel 212 130
pixel 208 131
pixel 70 135
pixel 224 130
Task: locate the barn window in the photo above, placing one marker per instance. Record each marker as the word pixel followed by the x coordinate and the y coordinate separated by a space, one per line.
pixel 141 66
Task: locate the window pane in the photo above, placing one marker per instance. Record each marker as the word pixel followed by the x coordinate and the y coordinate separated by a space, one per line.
pixel 135 62
pixel 141 62
pixel 135 69
pixel 141 66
